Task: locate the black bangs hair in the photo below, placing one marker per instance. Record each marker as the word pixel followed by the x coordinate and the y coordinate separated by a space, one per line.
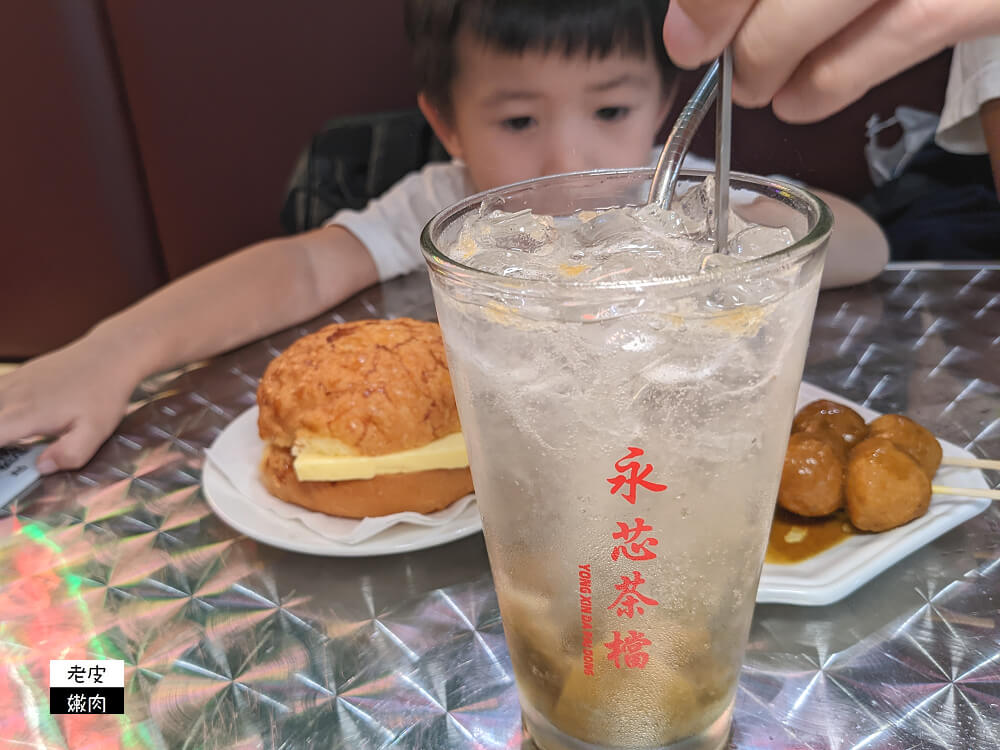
pixel 568 27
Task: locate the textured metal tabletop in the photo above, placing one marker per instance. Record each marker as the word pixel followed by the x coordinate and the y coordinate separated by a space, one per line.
pixel 231 643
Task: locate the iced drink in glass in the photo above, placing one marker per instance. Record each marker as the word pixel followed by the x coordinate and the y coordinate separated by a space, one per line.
pixel 626 395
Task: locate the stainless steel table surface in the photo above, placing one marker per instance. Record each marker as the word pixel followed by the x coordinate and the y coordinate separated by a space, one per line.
pixel 231 643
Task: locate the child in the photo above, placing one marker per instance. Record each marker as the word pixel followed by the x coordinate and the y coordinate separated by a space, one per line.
pixel 514 90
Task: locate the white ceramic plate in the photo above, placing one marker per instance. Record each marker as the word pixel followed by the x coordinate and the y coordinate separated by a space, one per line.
pixel 292 534
pixel 842 569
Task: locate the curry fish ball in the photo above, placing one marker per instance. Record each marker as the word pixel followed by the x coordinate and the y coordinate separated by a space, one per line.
pixel 812 477
pixel 913 438
pixel 831 417
pixel 834 439
pixel 885 486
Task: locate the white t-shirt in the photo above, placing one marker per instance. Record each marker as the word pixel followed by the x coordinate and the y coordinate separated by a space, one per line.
pixel 390 225
pixel 974 79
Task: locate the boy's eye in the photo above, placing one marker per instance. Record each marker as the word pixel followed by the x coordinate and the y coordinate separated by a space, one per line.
pixel 518 123
pixel 610 114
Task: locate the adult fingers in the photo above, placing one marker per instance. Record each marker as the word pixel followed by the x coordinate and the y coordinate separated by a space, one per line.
pixel 696 31
pixel 777 35
pixel 890 37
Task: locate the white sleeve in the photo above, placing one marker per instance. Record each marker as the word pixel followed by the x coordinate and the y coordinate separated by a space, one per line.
pixel 390 225
pixel 973 80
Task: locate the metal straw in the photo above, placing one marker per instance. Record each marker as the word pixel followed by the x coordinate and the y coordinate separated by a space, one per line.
pixel 723 146
pixel 680 138
pixel 679 141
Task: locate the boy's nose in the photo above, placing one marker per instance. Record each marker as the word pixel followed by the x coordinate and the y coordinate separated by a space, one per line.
pixel 564 157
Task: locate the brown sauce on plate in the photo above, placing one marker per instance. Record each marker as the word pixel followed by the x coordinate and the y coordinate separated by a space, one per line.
pixel 794 538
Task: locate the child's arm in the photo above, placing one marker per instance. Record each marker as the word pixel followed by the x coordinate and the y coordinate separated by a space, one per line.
pixel 858 249
pixel 989 115
pixel 80 392
pixel 258 290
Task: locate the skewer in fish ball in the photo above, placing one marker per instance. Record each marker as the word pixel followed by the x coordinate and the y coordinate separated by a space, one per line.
pixel 832 419
pixel 912 437
pixel 886 487
pixel 812 478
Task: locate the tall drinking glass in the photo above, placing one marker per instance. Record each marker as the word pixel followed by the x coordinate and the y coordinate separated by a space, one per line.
pixel 626 439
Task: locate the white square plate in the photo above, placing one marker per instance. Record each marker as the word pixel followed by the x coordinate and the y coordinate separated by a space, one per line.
pixel 842 569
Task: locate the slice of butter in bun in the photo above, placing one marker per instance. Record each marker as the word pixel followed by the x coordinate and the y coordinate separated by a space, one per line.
pixel 359 419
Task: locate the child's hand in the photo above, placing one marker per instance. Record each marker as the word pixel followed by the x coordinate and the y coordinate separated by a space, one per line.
pixel 74 394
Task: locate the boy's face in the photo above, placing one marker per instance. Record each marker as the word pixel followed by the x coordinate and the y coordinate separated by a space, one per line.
pixel 515 117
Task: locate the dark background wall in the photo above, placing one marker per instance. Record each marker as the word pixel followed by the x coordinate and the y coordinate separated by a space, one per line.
pixel 140 140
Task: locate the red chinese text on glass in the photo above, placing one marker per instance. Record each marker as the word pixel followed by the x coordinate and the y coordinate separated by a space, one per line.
pixel 635 542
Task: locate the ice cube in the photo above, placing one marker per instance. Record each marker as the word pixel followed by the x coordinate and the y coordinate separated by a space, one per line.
pixel 718 262
pixel 729 296
pixel 758 241
pixel 492 204
pixel 620 266
pixel 669 371
pixel 622 244
pixel 696 208
pixel 473 238
pixel 510 263
pixel 522 231
pixel 736 224
pixel 611 232
pixel 661 221
pixel 630 334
